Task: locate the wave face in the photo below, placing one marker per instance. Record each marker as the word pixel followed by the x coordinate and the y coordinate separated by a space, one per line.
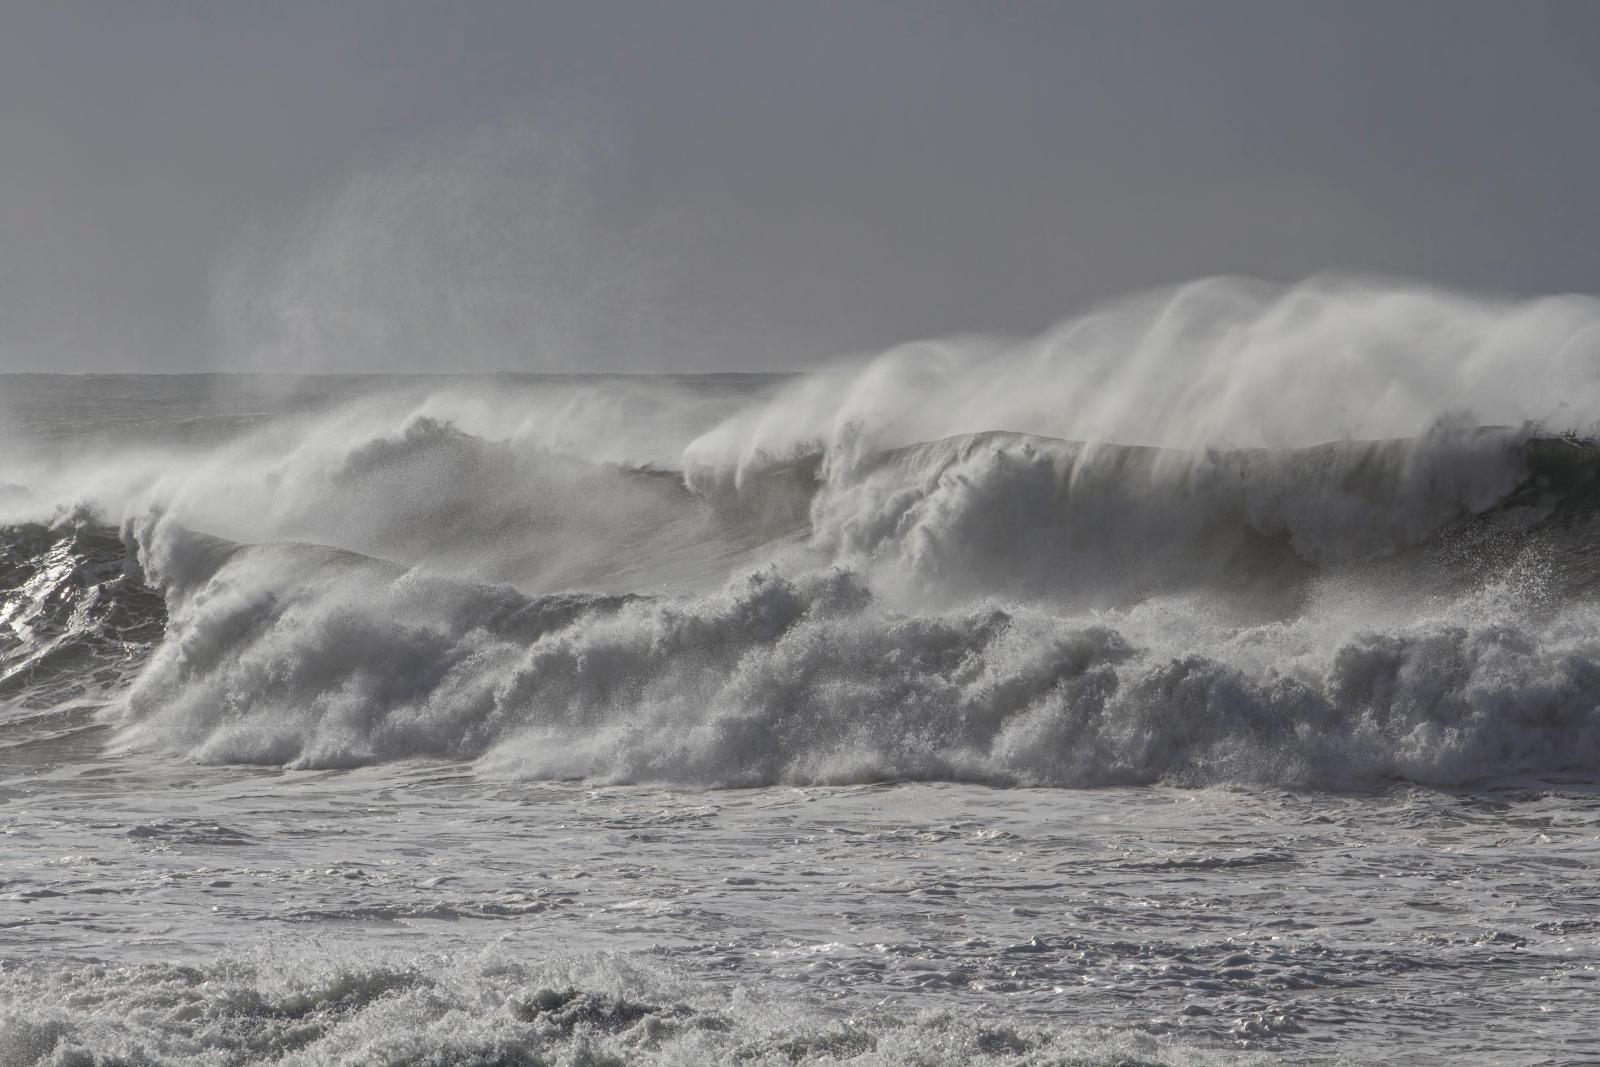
pixel 1323 537
pixel 74 623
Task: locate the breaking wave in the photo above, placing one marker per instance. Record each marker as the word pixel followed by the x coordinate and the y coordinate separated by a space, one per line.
pixel 303 655
pixel 1202 549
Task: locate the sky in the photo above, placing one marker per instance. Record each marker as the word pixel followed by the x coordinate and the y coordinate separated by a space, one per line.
pixel 753 185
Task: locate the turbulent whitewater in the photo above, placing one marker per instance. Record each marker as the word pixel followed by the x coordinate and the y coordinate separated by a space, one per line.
pixel 1284 559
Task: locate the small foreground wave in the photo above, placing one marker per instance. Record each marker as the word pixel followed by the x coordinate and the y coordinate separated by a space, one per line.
pixel 491 1011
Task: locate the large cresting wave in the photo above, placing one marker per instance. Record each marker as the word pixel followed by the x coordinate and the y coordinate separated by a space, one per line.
pixel 1319 537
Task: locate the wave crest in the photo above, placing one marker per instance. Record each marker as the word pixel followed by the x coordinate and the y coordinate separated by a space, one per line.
pixel 283 655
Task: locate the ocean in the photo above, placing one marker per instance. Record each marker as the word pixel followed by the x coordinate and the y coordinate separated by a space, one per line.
pixel 916 711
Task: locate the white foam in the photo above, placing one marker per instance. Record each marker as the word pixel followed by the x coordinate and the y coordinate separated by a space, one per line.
pixel 294 655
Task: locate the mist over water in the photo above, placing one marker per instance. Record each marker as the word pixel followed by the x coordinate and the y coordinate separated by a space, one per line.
pixel 1218 363
pixel 483 252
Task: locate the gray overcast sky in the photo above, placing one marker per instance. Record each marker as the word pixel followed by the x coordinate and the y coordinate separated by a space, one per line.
pixel 731 185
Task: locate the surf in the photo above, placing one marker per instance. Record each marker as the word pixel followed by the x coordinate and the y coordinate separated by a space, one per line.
pixel 1169 541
